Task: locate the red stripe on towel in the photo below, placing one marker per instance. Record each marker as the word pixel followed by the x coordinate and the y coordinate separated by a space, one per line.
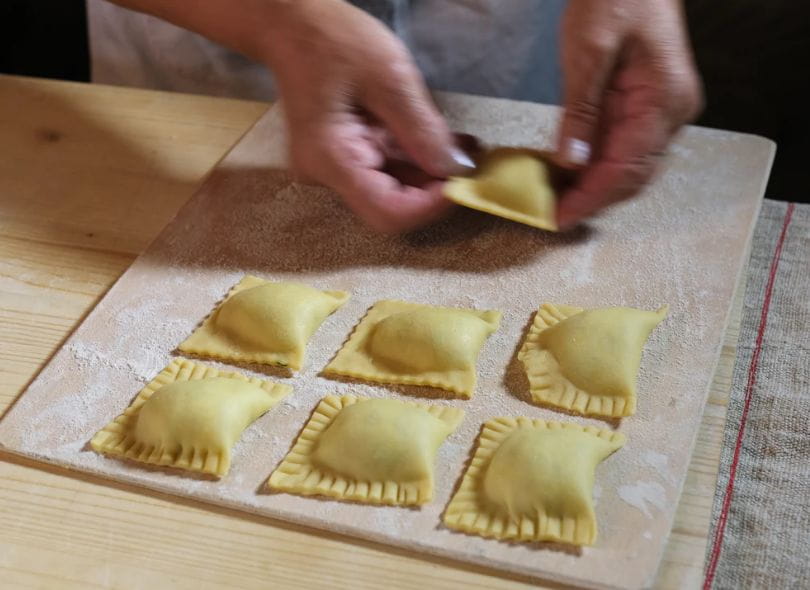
pixel 717 542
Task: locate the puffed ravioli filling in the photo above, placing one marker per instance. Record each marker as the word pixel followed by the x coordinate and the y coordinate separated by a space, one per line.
pixel 587 361
pixel 510 182
pixel 264 322
pixel 532 480
pixel 415 344
pixel 378 451
pixel 189 417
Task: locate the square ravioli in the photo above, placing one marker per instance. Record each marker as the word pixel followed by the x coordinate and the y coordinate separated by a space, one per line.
pixel 416 344
pixel 189 417
pixel 263 322
pixel 586 361
pixel 515 183
pixel 532 480
pixel 372 450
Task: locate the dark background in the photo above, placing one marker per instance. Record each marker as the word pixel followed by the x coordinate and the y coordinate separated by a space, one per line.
pixel 754 56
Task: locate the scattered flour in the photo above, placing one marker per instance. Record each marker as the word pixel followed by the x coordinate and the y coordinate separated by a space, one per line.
pixel 641 493
pixel 660 463
pixel 580 269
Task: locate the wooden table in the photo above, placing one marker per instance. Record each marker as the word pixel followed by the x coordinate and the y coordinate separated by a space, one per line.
pixel 88 176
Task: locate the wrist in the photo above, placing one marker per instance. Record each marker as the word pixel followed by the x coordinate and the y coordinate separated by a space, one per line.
pixel 289 25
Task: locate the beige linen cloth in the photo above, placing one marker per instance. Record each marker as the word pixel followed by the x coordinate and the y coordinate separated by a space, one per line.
pixel 760 534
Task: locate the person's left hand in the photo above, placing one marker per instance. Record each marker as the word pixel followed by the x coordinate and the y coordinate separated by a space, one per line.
pixel 630 84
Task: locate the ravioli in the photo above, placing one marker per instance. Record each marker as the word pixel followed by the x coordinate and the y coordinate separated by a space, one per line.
pixel 377 451
pixel 188 417
pixel 587 361
pixel 532 480
pixel 514 183
pixel 415 344
pixel 264 322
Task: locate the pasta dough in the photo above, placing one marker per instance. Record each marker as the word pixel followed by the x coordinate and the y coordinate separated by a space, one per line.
pixel 264 322
pixel 378 451
pixel 188 417
pixel 532 480
pixel 514 183
pixel 587 361
pixel 415 344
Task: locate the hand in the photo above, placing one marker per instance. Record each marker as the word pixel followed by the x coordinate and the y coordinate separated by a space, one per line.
pixel 630 84
pixel 354 99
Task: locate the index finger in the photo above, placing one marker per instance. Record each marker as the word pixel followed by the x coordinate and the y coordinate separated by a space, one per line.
pixel 630 151
pixel 349 159
pixel 385 203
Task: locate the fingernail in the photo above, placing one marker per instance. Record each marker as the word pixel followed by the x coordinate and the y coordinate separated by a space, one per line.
pixel 576 151
pixel 462 160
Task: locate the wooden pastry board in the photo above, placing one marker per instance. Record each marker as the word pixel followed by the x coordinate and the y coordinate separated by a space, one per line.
pixel 683 243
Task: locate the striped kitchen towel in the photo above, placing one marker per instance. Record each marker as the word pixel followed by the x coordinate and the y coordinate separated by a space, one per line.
pixel 760 534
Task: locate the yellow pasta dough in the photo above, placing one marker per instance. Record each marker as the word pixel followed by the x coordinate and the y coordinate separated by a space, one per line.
pixel 513 183
pixel 188 417
pixel 532 480
pixel 378 451
pixel 587 361
pixel 415 344
pixel 264 322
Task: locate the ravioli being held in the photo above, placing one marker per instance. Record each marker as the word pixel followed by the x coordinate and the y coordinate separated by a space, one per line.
pixel 514 183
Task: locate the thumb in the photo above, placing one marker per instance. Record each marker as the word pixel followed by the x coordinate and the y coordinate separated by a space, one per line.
pixel 402 103
pixel 587 66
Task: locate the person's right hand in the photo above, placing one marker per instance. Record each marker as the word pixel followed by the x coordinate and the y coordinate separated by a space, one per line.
pixel 353 97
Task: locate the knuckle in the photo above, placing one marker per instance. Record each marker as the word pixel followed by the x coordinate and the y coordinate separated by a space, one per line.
pixel 583 110
pixel 398 80
pixel 686 97
pixel 635 174
pixel 589 50
pixel 400 91
pixel 597 44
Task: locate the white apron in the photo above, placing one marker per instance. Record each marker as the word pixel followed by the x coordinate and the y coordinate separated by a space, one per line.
pixel 505 48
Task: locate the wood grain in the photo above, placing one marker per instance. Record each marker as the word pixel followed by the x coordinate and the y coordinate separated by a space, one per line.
pixel 75 210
